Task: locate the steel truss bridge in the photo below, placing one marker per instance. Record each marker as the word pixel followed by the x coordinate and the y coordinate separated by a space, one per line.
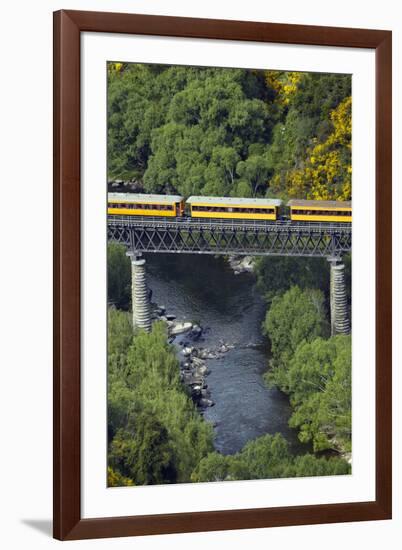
pixel 209 236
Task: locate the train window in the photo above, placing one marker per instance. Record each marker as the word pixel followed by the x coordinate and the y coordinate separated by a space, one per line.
pixel 299 212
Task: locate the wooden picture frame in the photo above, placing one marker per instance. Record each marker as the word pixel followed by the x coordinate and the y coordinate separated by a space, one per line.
pixel 68 25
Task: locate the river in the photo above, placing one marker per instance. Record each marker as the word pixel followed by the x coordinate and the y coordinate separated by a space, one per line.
pixel 205 290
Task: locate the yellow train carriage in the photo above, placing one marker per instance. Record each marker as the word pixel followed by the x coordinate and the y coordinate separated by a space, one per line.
pixel 320 211
pixel 138 204
pixel 234 208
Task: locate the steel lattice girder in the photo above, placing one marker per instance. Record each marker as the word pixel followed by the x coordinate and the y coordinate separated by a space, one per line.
pixel 247 239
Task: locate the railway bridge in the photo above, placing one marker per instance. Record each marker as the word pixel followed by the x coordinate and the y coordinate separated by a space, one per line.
pixel 232 237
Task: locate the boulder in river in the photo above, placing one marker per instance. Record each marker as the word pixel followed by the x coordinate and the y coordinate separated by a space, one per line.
pixel 203 370
pixel 197 361
pixel 241 264
pixel 187 351
pixel 196 332
pixel 204 402
pixel 203 353
pixel 180 328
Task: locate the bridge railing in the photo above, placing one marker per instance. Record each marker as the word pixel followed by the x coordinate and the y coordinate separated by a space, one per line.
pixel 280 238
pixel 237 225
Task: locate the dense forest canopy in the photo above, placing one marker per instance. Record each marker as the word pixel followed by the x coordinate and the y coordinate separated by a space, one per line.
pixel 230 132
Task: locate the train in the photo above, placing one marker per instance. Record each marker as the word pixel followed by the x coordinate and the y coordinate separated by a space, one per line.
pixel 229 208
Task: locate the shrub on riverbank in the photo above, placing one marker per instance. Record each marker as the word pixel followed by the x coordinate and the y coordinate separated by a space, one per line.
pixel 320 388
pixel 155 432
pixel 118 276
pixel 266 457
pixel 295 317
pixel 315 372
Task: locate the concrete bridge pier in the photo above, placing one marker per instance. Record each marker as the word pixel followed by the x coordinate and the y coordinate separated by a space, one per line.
pixel 139 293
pixel 340 323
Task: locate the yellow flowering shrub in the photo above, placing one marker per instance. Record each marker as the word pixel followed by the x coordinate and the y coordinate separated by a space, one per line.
pixel 115 67
pixel 115 479
pixel 327 171
pixel 284 83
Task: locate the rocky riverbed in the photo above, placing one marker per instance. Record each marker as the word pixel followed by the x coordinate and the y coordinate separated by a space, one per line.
pixel 215 317
pixel 241 264
pixel 193 357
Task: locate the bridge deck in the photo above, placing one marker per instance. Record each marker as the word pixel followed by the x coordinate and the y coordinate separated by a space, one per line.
pixel 209 236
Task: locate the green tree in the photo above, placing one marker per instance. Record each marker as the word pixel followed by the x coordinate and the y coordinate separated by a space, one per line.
pixel 309 465
pixel 153 371
pixel 213 467
pixel 319 382
pixel 266 457
pixel 254 170
pixel 220 174
pixel 149 409
pixel 139 96
pixel 295 317
pixel 120 397
pixel 118 276
pixel 142 452
pixel 208 130
pixel 304 272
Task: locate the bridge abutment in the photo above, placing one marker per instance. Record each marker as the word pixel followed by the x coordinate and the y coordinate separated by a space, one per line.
pixel 340 322
pixel 139 293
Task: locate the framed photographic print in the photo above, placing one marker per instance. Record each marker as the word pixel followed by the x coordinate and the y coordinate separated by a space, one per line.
pixel 220 360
